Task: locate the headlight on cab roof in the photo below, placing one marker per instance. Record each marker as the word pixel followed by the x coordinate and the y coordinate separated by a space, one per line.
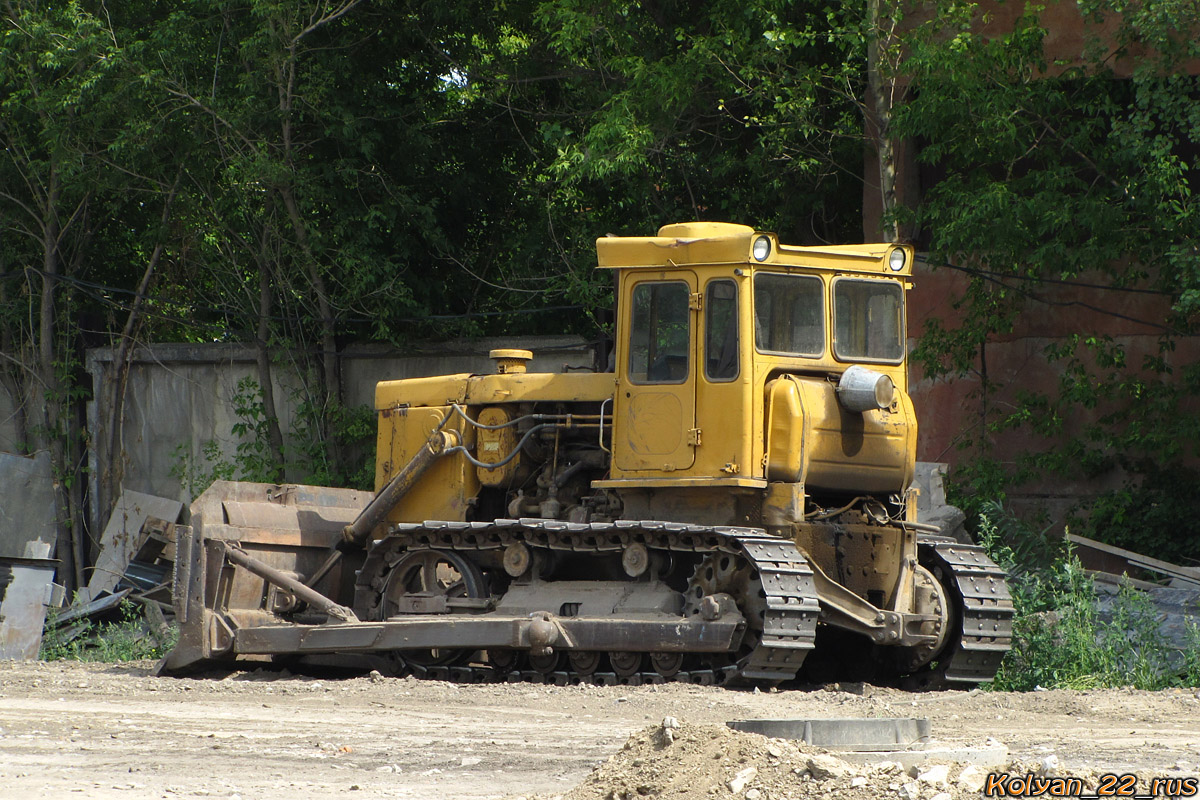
pixel 762 248
pixel 897 259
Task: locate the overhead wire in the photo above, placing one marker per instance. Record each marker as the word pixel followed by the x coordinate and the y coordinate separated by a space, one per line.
pixel 998 279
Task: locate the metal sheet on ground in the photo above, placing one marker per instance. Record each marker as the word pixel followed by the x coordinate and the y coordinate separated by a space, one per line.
pixel 123 536
pixel 23 607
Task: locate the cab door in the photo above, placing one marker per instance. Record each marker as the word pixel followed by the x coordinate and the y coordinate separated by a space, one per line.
pixel 655 409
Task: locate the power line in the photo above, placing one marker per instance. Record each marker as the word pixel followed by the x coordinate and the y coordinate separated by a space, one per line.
pixel 995 277
pixel 983 273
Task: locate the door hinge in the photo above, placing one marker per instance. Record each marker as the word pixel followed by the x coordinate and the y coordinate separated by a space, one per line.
pixel 695 301
pixel 693 437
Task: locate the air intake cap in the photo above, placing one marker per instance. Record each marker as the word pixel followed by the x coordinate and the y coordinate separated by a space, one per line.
pixel 510 362
pixel 862 389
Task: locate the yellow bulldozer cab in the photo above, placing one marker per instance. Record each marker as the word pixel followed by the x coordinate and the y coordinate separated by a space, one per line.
pixel 729 349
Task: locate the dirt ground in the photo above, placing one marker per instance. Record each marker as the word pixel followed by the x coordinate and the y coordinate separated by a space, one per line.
pixel 106 731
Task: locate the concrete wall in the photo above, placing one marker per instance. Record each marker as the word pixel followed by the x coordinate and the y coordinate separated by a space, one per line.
pixel 180 397
pixel 9 439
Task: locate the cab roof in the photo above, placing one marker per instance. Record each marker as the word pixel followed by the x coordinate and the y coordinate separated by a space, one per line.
pixel 698 243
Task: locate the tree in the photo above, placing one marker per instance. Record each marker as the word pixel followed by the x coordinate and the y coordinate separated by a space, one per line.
pixel 59 100
pixel 1082 176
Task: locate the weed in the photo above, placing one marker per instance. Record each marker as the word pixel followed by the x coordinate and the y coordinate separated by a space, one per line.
pixel 1060 637
pixel 130 638
pixel 196 476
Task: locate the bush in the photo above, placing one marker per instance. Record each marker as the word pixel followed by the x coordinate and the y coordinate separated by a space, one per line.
pixel 132 637
pixel 1060 638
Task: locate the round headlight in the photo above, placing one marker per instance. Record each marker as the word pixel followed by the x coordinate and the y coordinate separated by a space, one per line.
pixel 896 259
pixel 861 390
pixel 762 248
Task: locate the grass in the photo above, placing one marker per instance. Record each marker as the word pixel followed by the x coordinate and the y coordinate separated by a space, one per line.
pixel 132 637
pixel 1060 638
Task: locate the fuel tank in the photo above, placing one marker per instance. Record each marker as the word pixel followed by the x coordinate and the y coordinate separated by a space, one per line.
pixel 812 439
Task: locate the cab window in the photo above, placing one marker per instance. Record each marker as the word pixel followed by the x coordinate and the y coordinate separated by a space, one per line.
pixel 789 314
pixel 659 333
pixel 721 331
pixel 868 320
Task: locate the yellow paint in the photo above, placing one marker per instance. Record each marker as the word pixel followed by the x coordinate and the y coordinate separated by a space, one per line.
pixel 694 402
pixel 402 433
pixel 815 442
pixel 534 387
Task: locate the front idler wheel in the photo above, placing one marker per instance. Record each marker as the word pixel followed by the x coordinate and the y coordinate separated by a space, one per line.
pixel 421 581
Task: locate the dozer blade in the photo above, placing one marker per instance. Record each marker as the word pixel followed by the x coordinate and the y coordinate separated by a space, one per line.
pixel 292 529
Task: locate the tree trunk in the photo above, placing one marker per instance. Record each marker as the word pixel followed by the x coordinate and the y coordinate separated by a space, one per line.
pixel 879 116
pixel 330 374
pixel 114 475
pixel 331 381
pixel 262 341
pixel 50 435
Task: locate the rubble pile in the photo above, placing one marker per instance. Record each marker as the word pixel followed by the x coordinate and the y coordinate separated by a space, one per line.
pixel 673 761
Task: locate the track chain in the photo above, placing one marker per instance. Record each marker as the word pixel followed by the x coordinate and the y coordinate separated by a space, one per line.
pixel 987 611
pixel 789 622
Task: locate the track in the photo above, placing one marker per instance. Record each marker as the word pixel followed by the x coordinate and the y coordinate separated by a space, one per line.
pixel 983 609
pixel 774 583
pixel 778 573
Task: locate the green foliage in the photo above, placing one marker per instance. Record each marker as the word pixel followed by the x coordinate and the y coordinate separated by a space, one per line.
pixel 196 476
pixel 1052 173
pixel 253 453
pixel 745 111
pixel 1160 515
pixel 306 458
pixel 1060 638
pixel 130 638
pixel 354 428
pixel 1014 544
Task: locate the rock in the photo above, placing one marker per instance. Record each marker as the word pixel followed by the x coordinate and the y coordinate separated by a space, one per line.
pixel 470 761
pixel 971 779
pixel 669 723
pixel 889 767
pixel 910 791
pixel 824 767
pixel 742 779
pixel 1049 766
pixel 753 794
pixel 774 750
pixel 937 775
pixel 943 796
pixel 376 676
pixel 858 781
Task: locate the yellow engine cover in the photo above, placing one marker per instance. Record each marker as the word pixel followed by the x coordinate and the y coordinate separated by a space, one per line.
pixel 814 441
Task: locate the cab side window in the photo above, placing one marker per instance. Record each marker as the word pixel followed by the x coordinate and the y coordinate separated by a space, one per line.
pixel 660 333
pixel 721 331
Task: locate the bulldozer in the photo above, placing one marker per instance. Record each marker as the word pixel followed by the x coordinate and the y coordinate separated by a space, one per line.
pixel 730 503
